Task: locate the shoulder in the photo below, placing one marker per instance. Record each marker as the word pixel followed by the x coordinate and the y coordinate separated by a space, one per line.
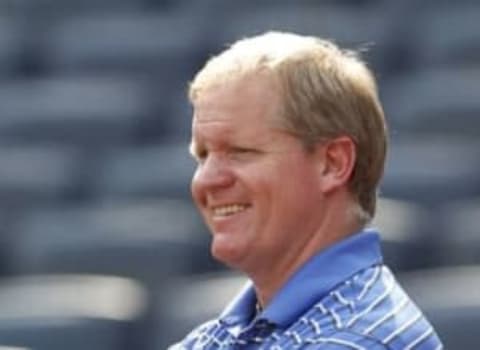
pixel 384 313
pixel 370 311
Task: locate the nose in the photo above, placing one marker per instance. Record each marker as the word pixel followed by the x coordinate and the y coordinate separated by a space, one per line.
pixel 212 175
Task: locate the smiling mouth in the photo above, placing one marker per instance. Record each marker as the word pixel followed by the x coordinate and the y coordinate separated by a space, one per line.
pixel 228 210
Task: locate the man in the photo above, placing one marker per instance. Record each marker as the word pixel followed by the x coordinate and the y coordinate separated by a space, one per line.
pixel 290 140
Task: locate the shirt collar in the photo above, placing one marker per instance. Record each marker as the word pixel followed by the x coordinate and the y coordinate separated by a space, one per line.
pixel 319 275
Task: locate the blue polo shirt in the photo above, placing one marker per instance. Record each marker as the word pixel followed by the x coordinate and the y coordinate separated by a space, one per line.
pixel 342 298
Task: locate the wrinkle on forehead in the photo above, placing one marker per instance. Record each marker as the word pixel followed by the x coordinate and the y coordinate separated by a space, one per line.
pixel 212 104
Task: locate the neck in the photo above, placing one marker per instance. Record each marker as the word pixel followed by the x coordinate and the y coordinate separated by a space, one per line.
pixel 276 271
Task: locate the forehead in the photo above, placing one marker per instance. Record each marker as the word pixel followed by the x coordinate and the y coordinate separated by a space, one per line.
pixel 249 99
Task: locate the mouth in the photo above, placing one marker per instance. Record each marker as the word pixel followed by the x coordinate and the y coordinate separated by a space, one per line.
pixel 224 211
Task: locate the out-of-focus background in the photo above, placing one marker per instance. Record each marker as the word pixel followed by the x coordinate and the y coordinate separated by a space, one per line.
pixel 100 245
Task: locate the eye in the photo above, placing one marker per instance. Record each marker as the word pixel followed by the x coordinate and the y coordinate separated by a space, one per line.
pixel 240 150
pixel 200 155
pixel 241 153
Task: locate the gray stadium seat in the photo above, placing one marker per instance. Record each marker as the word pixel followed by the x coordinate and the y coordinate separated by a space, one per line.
pixel 458 242
pixel 86 110
pixel 176 125
pixel 366 29
pixel 49 8
pixel 120 41
pixel 35 176
pixel 229 8
pixel 75 312
pixel 164 48
pixel 449 35
pixel 435 101
pixel 347 26
pixel 431 5
pixel 149 240
pixel 32 174
pixel 450 298
pixel 432 170
pixel 11 43
pixel 186 303
pixel 150 171
pixel 405 235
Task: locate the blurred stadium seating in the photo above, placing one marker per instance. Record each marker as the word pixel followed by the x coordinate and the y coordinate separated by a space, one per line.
pixel 450 298
pixel 430 170
pixel 71 312
pixel 459 241
pixel 405 231
pixel 101 247
pixel 178 310
pixel 166 170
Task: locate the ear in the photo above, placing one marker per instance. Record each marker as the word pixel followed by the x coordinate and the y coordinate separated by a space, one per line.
pixel 337 163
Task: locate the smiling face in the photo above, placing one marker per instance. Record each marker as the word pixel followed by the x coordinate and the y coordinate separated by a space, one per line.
pixel 255 185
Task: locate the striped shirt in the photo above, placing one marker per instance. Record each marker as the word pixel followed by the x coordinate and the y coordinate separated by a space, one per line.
pixel 343 298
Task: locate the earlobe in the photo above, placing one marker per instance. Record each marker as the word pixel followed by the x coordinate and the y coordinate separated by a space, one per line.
pixel 339 156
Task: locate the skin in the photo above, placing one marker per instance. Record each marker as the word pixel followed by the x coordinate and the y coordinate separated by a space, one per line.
pixel 287 203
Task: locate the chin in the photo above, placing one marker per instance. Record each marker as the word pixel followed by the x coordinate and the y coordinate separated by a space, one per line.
pixel 227 253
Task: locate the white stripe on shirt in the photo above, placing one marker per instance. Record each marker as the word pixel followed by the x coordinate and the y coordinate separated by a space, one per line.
pixel 385 317
pixel 421 338
pixel 399 330
pixel 337 341
pixel 385 294
pixel 369 283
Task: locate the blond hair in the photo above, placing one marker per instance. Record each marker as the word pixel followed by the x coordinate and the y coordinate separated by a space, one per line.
pixel 327 92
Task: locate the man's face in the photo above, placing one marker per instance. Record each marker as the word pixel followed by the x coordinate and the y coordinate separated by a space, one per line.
pixel 255 185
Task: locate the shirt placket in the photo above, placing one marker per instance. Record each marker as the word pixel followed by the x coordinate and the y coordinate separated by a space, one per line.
pixel 253 336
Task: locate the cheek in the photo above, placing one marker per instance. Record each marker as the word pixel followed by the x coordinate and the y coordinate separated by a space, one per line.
pixel 258 181
pixel 296 186
pixel 271 191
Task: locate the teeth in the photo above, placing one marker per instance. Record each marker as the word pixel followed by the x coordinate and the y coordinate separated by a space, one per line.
pixel 229 209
